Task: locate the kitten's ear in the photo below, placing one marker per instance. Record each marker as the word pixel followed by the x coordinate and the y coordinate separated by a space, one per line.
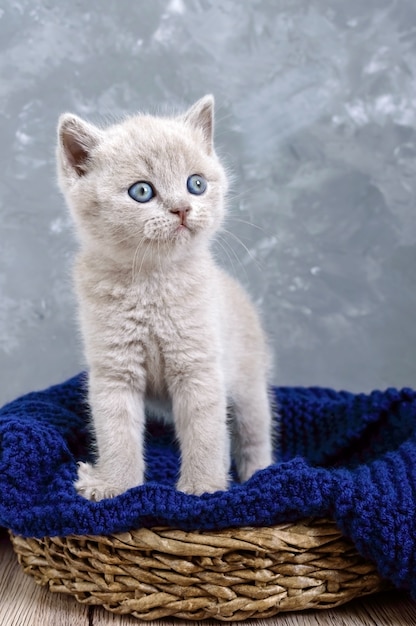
pixel 76 139
pixel 201 115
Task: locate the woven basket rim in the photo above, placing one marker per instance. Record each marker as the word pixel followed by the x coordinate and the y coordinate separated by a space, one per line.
pixel 230 575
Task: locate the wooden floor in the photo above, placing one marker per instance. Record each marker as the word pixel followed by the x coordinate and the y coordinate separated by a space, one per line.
pixel 23 603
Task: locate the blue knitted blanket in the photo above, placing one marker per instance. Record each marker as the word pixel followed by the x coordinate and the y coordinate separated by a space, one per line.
pixel 344 456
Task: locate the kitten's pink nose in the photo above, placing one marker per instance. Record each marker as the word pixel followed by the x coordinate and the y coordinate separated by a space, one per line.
pixel 181 212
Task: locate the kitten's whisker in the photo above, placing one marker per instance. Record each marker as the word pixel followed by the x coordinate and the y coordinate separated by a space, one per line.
pixel 218 240
pixel 237 219
pixel 250 254
pixel 136 253
pixel 158 255
pixel 254 186
pixel 127 239
pixel 134 263
pixel 233 197
pixel 144 256
pixel 241 264
pixel 242 195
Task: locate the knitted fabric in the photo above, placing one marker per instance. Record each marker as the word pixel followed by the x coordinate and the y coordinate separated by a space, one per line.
pixel 344 456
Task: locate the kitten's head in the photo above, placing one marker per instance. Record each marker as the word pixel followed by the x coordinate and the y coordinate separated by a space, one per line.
pixel 149 181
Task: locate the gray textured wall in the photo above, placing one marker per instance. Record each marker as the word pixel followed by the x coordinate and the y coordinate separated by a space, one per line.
pixel 316 116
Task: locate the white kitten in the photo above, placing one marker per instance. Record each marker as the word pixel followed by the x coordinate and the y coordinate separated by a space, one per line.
pixel 163 325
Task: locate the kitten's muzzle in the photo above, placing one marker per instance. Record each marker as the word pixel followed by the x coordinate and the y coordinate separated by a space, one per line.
pixel 182 213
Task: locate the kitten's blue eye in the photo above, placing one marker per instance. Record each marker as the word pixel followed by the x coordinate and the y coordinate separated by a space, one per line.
pixel 141 192
pixel 196 184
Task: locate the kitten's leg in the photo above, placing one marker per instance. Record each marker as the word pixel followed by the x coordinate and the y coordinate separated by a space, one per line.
pixel 252 429
pixel 199 409
pixel 118 420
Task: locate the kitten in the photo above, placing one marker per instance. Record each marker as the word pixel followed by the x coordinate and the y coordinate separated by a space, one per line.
pixel 163 325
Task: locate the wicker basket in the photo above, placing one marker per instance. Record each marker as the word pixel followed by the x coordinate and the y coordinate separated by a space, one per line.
pixel 232 574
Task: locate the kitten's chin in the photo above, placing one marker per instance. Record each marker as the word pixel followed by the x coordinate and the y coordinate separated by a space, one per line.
pixel 177 234
pixel 182 231
pixel 187 237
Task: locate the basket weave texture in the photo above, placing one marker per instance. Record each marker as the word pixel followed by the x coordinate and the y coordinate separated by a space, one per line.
pixel 229 575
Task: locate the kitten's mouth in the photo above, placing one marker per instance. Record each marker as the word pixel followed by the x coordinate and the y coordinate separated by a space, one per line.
pixel 181 229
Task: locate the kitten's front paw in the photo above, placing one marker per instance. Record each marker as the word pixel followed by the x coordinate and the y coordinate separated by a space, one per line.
pixel 198 487
pixel 93 484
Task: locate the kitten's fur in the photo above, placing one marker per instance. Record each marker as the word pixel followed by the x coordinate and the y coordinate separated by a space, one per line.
pixel 161 322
